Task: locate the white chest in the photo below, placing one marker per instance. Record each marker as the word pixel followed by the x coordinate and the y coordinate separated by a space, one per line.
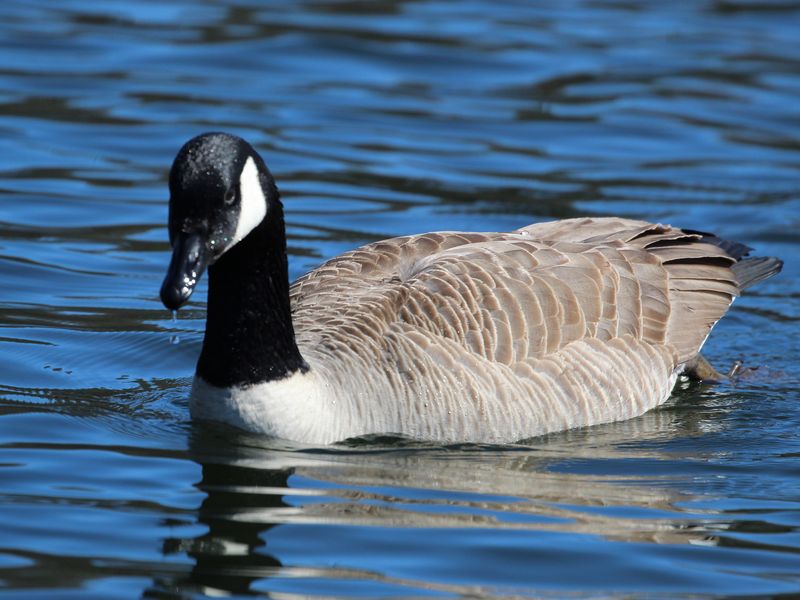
pixel 295 408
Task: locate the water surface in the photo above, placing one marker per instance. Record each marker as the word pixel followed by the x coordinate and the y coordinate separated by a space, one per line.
pixel 380 119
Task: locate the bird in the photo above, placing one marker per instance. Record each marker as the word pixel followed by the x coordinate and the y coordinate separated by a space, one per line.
pixel 445 336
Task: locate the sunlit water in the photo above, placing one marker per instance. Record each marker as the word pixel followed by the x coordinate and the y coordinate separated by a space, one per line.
pixel 379 119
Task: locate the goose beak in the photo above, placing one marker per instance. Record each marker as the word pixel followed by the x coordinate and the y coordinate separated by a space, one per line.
pixel 189 260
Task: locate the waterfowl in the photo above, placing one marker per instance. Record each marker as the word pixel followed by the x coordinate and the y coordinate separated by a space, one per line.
pixel 449 336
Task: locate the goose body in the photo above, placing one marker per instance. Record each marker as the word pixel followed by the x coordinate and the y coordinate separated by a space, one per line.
pixel 449 336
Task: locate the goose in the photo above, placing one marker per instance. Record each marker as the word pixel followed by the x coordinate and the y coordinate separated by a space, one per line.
pixel 445 336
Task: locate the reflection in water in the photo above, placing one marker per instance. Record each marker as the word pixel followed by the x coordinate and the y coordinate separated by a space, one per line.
pixel 272 516
pixel 257 490
pixel 232 554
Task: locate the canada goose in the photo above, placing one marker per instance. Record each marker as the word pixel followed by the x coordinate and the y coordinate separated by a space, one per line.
pixel 449 336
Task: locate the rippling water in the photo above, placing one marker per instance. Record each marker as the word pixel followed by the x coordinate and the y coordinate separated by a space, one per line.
pixel 379 119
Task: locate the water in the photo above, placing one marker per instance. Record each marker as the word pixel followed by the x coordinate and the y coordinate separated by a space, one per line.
pixel 382 119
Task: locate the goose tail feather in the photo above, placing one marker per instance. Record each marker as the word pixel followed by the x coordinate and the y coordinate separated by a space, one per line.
pixel 751 271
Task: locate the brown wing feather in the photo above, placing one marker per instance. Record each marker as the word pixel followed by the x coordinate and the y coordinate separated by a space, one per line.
pixel 498 336
pixel 701 274
pixel 510 297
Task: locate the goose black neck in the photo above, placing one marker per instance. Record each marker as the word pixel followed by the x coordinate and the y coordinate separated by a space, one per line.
pixel 249 334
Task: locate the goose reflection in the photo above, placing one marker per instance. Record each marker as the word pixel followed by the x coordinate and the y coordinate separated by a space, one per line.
pixel 232 553
pixel 585 481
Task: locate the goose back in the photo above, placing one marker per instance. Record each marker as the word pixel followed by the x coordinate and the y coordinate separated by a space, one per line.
pixel 499 336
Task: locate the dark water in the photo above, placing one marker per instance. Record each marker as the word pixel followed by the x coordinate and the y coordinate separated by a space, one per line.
pixel 377 119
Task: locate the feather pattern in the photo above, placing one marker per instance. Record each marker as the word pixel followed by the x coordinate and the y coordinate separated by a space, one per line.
pixel 502 336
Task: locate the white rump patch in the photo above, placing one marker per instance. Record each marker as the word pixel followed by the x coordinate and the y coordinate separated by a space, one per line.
pixel 253 207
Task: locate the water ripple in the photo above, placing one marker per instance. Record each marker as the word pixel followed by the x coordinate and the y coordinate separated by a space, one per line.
pixel 381 119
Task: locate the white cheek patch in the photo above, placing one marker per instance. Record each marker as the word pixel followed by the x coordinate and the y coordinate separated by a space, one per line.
pixel 253 207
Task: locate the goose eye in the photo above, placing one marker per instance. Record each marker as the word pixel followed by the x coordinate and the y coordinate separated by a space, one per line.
pixel 230 196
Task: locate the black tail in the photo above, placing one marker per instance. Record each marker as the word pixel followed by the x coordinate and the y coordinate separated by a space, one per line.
pixel 750 271
pixel 733 249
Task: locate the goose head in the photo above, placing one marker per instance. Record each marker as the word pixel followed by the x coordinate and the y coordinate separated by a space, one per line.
pixel 220 191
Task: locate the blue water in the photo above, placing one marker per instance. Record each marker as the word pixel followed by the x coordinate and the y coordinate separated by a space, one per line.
pixel 380 119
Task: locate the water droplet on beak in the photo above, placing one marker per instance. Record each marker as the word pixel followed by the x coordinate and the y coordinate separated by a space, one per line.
pixel 174 338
